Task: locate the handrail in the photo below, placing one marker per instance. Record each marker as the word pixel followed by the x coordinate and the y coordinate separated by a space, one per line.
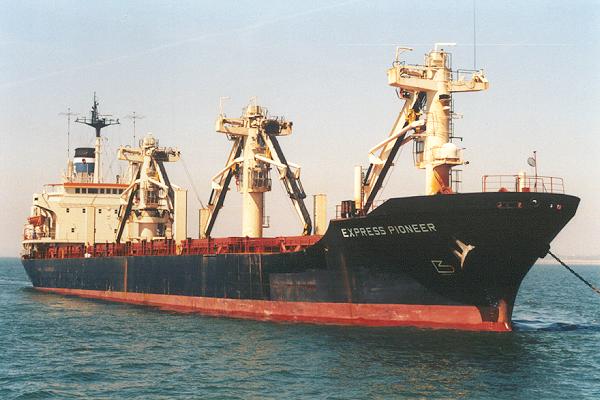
pixel 522 183
pixel 168 247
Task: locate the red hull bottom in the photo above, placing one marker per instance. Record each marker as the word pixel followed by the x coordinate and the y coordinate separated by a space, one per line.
pixel 425 316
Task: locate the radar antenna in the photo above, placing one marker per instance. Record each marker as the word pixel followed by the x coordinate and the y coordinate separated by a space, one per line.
pixel 97 121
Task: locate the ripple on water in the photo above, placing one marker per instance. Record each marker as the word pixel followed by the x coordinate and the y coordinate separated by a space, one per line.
pixel 65 347
pixel 545 326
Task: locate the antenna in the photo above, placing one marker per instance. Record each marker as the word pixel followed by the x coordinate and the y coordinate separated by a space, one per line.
pixel 221 101
pixel 68 114
pixel 474 36
pixel 133 117
pixel 96 120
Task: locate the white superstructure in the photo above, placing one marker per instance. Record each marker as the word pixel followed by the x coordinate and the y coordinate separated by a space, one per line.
pixel 74 212
pixel 84 210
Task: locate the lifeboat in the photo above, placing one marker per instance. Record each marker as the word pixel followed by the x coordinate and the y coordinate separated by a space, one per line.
pixel 36 220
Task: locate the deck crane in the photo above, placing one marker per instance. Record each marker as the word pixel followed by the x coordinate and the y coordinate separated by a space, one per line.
pixel 255 150
pixel 424 119
pixel 149 201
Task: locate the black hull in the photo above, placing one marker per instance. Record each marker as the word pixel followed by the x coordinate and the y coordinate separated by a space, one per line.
pixel 464 250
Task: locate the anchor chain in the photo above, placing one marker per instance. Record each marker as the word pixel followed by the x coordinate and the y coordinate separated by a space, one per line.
pixel 595 289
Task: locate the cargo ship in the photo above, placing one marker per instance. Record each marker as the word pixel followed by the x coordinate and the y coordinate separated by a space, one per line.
pixel 443 259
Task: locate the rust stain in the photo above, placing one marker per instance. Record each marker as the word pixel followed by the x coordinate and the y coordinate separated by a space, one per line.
pixel 419 315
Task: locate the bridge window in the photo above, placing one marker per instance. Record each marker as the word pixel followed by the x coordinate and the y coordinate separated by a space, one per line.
pixel 102 191
pixel 92 190
pixel 77 190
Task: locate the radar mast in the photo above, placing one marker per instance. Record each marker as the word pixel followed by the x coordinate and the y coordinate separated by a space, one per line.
pixel 97 121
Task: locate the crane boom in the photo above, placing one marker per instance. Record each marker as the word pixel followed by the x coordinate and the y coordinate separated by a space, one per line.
pixel 381 164
pixel 220 187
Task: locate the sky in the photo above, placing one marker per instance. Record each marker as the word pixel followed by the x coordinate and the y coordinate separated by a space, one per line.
pixel 320 64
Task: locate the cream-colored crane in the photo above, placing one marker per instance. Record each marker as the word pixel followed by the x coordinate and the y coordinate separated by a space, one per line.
pixel 255 150
pixel 425 119
pixel 149 201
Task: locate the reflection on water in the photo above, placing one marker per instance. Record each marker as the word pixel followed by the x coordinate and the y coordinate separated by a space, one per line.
pixel 62 347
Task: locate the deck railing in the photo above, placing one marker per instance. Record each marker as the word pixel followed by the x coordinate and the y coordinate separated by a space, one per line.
pixel 522 183
pixel 167 247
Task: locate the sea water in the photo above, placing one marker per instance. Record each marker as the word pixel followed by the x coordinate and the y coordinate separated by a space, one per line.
pixel 60 347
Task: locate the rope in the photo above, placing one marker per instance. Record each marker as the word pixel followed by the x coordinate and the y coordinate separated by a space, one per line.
pixel 187 172
pixel 575 273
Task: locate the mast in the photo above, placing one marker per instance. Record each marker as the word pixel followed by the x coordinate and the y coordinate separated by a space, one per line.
pixel 255 150
pixel 97 121
pixel 69 173
pixel 133 117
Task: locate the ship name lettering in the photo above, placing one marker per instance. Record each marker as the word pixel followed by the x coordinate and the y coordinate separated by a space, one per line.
pixel 361 232
pixel 391 230
pixel 412 228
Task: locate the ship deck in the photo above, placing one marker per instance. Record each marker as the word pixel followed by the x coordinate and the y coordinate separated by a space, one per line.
pixel 168 247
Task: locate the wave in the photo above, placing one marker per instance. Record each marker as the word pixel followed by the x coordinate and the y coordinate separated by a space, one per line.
pixel 545 326
pixel 14 282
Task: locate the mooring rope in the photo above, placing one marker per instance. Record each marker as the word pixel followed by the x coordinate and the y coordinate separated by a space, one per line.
pixel 595 289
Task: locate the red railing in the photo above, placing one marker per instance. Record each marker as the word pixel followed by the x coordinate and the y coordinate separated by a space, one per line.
pixel 165 247
pixel 522 183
